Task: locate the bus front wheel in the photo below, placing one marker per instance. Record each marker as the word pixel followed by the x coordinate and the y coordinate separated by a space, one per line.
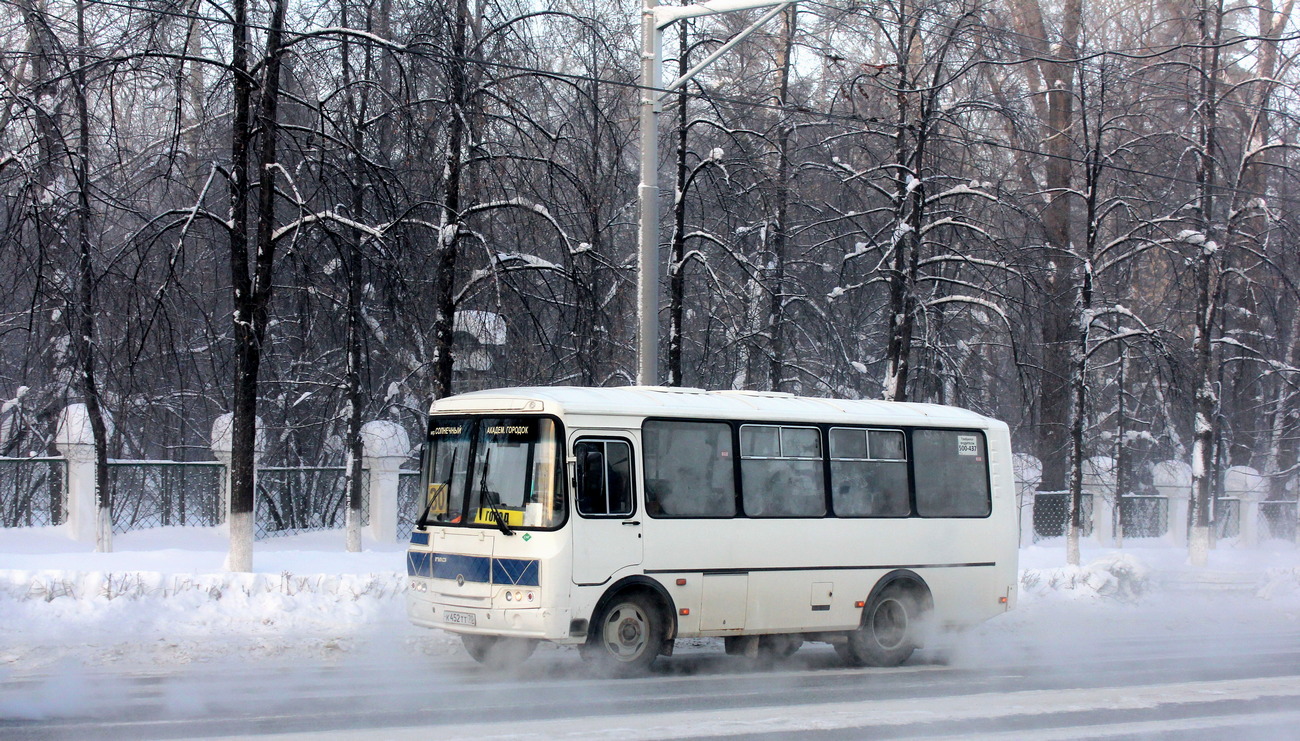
pixel 890 630
pixel 627 636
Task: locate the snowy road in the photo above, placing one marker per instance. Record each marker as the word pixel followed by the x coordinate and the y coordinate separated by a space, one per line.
pixel 1188 671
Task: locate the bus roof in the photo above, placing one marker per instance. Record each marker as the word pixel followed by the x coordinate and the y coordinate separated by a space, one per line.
pixel 663 401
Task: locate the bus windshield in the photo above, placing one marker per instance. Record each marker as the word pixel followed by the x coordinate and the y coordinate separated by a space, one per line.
pixel 495 472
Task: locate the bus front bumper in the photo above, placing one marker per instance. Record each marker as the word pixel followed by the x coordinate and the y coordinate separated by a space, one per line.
pixel 541 623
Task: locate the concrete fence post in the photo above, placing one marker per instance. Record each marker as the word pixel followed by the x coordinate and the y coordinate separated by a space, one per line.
pixel 76 442
pixel 385 447
pixel 1248 487
pixel 1173 480
pixel 1099 480
pixel 222 443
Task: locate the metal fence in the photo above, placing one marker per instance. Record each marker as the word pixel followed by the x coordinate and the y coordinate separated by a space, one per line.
pixel 149 494
pixel 409 503
pixel 1051 512
pixel 1277 519
pixel 295 500
pixel 1227 518
pixel 32 492
pixel 1144 516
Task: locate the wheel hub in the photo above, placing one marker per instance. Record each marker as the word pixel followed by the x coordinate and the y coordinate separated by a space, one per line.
pixel 629 632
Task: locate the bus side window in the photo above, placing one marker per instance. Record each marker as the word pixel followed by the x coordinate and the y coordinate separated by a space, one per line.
pixel 952 478
pixel 689 469
pixel 781 471
pixel 869 480
pixel 604 477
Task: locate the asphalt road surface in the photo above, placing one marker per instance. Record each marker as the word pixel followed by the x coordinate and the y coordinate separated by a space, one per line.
pixel 1065 672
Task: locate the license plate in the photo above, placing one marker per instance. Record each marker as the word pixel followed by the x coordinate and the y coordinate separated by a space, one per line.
pixel 459 618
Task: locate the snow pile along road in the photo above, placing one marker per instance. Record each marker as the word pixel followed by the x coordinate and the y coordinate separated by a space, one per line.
pixel 164 593
pixel 175 603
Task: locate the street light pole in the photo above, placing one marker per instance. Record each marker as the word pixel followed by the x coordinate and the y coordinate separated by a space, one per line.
pixel 654 18
pixel 648 197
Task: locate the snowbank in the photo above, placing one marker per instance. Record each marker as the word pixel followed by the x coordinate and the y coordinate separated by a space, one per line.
pixel 162 594
pixel 1153 571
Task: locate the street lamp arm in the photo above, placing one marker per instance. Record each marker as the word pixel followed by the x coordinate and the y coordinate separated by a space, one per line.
pixel 686 76
pixel 665 15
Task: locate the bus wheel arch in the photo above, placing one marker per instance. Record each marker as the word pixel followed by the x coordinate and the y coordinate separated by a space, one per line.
pixel 893 621
pixel 630 625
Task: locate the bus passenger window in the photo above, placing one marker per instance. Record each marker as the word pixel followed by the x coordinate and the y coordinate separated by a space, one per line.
pixel 604 477
pixel 689 469
pixel 781 471
pixel 952 473
pixel 869 473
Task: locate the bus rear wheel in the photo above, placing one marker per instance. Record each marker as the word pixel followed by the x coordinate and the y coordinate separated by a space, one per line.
pixel 496 651
pixel 890 630
pixel 628 635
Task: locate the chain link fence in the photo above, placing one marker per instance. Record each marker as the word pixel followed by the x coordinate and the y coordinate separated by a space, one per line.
pixel 32 492
pixel 149 494
pixel 409 503
pixel 1052 513
pixel 1144 516
pixel 295 500
pixel 1277 519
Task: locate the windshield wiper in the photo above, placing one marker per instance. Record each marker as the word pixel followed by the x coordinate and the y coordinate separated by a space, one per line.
pixel 486 498
pixel 423 523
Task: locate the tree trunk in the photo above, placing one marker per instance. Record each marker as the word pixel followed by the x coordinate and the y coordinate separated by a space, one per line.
pixel 353 401
pixel 449 238
pixel 780 224
pixel 1205 422
pixel 1052 79
pixel 85 334
pixel 677 250
pixel 252 293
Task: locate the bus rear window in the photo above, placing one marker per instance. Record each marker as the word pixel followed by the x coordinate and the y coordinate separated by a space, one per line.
pixel 951 473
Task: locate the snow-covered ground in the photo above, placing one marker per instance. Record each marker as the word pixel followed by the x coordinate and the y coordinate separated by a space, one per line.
pixel 77 626
pixel 162 596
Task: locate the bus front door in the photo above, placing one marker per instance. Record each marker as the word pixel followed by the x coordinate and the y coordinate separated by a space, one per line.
pixel 607 526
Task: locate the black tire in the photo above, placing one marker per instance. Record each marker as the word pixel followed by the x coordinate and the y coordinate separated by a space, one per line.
pixel 496 651
pixel 627 636
pixel 734 645
pixel 772 648
pixel 890 630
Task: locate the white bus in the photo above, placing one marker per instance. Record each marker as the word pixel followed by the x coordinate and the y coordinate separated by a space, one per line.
pixel 621 519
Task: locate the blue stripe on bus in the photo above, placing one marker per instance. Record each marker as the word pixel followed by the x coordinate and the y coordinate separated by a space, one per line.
pixel 418 538
pixel 418 564
pixel 518 572
pixel 451 566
